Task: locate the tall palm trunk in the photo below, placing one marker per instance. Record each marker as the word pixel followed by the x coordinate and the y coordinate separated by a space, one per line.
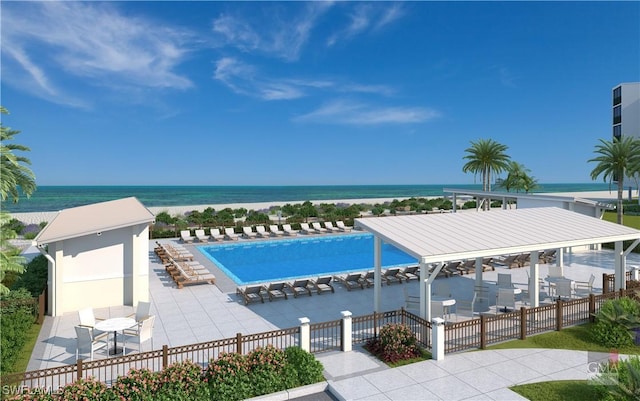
pixel 620 188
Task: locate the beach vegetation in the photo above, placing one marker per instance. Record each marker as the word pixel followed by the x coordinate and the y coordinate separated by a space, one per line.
pixel 254 217
pixel 484 157
pixel 15 175
pixel 18 315
pixel 616 322
pixel 614 160
pixel 11 262
pixel 519 179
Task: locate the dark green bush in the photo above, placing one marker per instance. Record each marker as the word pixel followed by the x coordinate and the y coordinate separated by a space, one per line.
pixel 266 370
pixel 180 378
pixel 228 378
pixel 34 278
pixel 620 380
pixel 610 328
pixel 17 318
pixel 14 225
pixel 303 368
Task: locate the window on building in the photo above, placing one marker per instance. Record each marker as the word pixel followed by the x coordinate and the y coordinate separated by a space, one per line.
pixel 617 95
pixel 617 131
pixel 617 114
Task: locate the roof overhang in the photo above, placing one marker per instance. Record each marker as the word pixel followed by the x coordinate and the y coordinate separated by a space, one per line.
pixel 95 218
pixel 433 238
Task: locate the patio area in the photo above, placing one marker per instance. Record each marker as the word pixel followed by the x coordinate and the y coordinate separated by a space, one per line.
pixel 207 312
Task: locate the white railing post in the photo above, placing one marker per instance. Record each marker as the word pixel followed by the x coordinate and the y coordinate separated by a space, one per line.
pixel 437 338
pixel 346 331
pixel 635 273
pixel 305 334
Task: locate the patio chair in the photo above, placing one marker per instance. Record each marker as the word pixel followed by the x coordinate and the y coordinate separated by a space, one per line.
pixel 392 276
pixel 288 230
pixel 504 281
pixel 411 301
pixel 215 234
pixel 261 232
pixel 585 287
pixel 563 290
pixel 251 294
pixel 88 319
pixel 439 310
pixel 87 343
pixel 143 311
pixel 299 287
pixel 351 280
pixel 185 235
pixel 505 298
pixel 276 290
pixel 201 236
pixel 275 231
pixel 323 284
pixel 441 289
pixel 342 227
pixel 410 273
pixel 230 233
pixel 143 333
pixel 248 233
pixel 330 227
pixel 318 228
pixel 305 229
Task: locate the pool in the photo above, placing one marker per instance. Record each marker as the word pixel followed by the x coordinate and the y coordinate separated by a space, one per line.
pixel 285 259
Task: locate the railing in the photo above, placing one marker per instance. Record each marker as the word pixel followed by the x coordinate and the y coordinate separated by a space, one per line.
pixel 460 336
pixel 608 281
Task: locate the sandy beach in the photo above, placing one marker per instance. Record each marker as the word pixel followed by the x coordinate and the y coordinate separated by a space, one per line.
pixel 38 217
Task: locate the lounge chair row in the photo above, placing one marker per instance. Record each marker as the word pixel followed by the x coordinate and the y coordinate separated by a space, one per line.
pixel 187 273
pixel 261 232
pixel 389 276
pixel 176 252
pixel 524 259
pixel 283 289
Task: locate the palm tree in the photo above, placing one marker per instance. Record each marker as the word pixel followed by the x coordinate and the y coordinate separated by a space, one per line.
pixel 15 175
pixel 518 178
pixel 616 159
pixel 485 156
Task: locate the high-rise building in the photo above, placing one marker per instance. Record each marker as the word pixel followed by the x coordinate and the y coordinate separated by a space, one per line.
pixel 626 110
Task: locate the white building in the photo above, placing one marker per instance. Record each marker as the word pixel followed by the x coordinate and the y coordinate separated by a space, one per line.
pixel 98 255
pixel 626 110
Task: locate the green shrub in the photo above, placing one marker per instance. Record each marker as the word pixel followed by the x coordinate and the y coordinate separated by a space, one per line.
pixel 302 368
pixel 17 318
pixel 14 225
pixel 612 326
pixel 180 377
pixel 34 278
pixel 33 394
pixel 395 343
pixel 266 370
pixel 228 378
pixel 137 385
pixel 87 389
pixel 620 380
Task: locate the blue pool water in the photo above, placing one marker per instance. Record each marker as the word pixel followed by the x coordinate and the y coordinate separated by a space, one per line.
pixel 284 259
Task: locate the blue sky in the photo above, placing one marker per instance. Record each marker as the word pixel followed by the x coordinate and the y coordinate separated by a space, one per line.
pixel 296 93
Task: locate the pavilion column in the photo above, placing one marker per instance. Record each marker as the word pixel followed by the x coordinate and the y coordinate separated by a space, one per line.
pixel 478 272
pixel 423 291
pixel 620 276
pixel 560 260
pixel 534 278
pixel 377 280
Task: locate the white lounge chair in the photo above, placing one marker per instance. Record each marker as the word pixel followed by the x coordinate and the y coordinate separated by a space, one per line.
pixel 229 233
pixel 201 236
pixel 275 231
pixel 330 227
pixel 185 235
pixel 215 234
pixel 342 227
pixel 262 232
pixel 318 228
pixel 248 233
pixel 305 229
pixel 288 230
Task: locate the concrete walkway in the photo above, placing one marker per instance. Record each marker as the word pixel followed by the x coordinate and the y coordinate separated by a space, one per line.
pixel 474 375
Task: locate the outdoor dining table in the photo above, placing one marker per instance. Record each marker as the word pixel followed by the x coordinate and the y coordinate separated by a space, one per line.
pixel 115 324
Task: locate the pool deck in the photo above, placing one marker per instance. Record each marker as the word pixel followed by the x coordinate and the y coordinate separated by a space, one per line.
pixel 207 312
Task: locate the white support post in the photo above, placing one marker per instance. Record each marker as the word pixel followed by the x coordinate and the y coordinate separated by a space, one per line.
pixel 636 273
pixel 620 271
pixel 305 334
pixel 437 338
pixel 560 260
pixel 377 279
pixel 346 331
pixel 534 286
pixel 423 279
pixel 478 272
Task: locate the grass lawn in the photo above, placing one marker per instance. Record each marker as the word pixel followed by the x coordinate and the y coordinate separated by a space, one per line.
pixel 629 221
pixel 576 338
pixel 564 390
pixel 27 349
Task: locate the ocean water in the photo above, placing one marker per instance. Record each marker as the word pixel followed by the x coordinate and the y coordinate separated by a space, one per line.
pixel 54 198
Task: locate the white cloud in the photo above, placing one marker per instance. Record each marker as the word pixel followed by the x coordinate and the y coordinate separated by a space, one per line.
pixel 354 113
pixel 93 41
pixel 367 17
pixel 283 38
